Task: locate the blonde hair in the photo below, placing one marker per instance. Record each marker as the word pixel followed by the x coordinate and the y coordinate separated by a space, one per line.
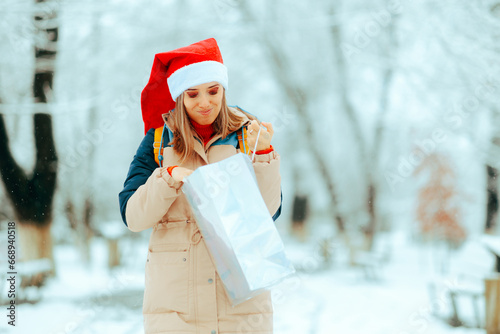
pixel 178 121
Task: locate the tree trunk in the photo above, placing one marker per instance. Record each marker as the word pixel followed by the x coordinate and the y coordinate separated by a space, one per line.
pixel 492 309
pixel 370 228
pixel 348 108
pixel 492 202
pixel 113 253
pixel 35 241
pixel 299 215
pixel 32 196
pixel 81 227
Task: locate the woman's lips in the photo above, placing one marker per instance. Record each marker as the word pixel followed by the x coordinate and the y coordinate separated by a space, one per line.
pixel 206 112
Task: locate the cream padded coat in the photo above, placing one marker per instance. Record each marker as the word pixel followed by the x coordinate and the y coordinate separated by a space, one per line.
pixel 183 292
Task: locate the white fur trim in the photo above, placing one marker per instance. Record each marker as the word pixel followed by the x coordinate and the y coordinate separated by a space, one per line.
pixel 196 74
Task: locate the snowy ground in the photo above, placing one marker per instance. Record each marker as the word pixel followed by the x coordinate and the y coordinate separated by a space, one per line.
pixel 338 300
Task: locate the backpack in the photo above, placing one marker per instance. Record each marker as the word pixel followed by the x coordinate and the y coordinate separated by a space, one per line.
pixel 162 139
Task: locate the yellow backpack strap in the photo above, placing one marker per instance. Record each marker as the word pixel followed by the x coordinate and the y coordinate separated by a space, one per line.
pixel 242 139
pixel 158 144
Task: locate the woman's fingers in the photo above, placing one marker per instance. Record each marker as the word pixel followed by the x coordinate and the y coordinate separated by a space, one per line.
pixel 253 127
pixel 179 173
pixel 266 133
pixel 269 128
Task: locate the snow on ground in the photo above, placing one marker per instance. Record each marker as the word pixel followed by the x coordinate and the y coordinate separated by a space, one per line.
pixel 343 300
pixel 336 300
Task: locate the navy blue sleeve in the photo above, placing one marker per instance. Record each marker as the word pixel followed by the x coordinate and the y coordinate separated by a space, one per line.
pixel 140 170
pixel 278 212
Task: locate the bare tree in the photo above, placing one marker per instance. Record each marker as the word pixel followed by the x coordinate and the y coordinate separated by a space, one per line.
pixel 492 198
pixel 299 100
pixel 32 195
pixel 367 155
pixel 79 206
pixel 492 170
pixel 482 78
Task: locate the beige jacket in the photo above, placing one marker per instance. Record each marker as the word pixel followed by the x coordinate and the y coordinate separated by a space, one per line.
pixel 183 292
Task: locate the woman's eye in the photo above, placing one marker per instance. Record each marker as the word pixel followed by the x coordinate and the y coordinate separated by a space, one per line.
pixel 192 95
pixel 213 91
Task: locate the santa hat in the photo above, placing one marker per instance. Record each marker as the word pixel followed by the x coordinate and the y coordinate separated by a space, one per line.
pixel 177 70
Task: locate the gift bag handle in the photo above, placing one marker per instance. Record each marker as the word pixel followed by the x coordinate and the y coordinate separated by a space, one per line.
pixel 256 142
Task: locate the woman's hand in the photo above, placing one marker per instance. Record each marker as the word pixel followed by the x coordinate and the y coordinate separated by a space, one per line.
pixel 179 173
pixel 266 134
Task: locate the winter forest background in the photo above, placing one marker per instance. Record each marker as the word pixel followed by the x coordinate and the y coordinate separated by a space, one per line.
pixel 386 117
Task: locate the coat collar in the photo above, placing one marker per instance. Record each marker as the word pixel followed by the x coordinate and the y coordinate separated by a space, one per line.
pixel 198 146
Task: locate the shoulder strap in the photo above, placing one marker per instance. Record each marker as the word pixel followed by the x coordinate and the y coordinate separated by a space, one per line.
pixel 158 144
pixel 242 140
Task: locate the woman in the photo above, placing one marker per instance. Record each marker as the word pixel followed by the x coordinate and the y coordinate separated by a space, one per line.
pixel 183 292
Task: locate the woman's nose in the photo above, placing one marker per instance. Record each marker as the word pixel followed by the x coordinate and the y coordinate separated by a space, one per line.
pixel 204 101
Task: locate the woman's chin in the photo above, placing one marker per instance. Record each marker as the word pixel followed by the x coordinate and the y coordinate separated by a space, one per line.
pixel 206 119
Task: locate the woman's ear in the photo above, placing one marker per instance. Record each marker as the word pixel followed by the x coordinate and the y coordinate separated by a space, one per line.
pixel 165 116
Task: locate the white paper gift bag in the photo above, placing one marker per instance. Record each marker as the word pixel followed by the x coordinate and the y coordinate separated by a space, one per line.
pixel 238 230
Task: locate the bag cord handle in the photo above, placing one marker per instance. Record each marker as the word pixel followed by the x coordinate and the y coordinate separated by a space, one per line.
pixel 256 142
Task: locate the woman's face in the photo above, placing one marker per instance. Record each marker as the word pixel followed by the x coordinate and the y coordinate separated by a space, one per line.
pixel 203 102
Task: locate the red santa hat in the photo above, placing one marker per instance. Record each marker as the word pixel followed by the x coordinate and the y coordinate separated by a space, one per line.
pixel 177 70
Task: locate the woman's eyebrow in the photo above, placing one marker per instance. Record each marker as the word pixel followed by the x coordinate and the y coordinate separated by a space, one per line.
pixel 208 87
